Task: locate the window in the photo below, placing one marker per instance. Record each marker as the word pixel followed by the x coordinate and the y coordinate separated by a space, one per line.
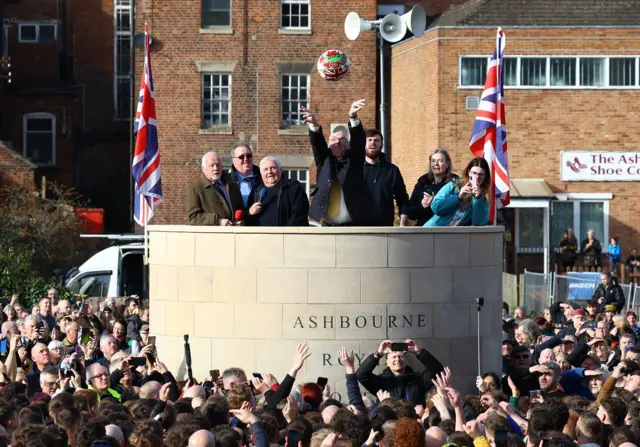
pixel 295 93
pixel 533 71
pixel 473 71
pixel 36 32
pixel 93 285
pixel 622 71
pixel 39 138
pixel 122 60
pixel 563 71
pixel 301 175
pixel 216 99
pixel 581 216
pixel 295 14
pixel 592 72
pixel 216 13
pixel 530 229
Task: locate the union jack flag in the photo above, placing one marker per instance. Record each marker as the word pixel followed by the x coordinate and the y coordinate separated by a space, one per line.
pixel 146 157
pixel 489 135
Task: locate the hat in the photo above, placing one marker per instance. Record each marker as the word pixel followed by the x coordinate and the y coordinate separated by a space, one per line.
pixel 569 339
pixel 144 328
pixel 610 308
pixel 520 348
pixel 508 338
pixel 578 312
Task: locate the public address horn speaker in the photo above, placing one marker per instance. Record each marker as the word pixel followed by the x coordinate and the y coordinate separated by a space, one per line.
pixel 416 20
pixel 393 28
pixel 354 25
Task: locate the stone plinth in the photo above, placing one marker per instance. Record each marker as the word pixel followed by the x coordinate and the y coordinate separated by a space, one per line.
pixel 247 296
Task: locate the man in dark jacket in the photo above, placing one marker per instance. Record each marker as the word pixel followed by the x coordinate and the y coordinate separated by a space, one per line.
pixel 341 196
pixel 208 200
pixel 591 250
pixel 398 379
pixel 609 292
pixel 244 179
pixel 385 183
pixel 281 202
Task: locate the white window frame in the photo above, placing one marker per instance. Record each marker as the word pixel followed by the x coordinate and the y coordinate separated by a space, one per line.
pixel 295 2
pixel 289 100
pixel 39 115
pixel 120 5
pixel 37 24
pixel 202 100
pixel 306 183
pixel 544 205
pixel 216 26
pixel 548 85
pixel 577 199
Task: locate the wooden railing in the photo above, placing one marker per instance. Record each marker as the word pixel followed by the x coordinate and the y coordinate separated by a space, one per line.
pixel 623 274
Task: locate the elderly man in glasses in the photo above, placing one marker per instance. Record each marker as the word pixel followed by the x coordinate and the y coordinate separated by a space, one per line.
pixel 518 369
pixel 244 179
pixel 98 380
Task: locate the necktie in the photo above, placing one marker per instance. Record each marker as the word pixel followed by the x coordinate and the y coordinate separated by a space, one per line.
pixel 222 192
pixel 334 200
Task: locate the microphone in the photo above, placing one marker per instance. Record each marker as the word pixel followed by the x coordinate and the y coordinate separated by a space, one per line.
pixel 187 356
pixel 239 217
pixel 262 193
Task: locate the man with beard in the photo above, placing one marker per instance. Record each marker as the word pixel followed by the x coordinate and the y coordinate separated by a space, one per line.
pixel 208 201
pixel 548 379
pixel 385 183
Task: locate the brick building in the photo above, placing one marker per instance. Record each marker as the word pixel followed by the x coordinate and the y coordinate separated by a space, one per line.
pixel 571 84
pixel 61 110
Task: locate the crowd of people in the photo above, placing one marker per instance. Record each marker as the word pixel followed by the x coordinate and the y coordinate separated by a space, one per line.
pixel 591 252
pixel 355 186
pixel 89 374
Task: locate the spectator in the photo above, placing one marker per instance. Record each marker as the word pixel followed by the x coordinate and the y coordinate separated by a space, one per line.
pixel 591 250
pixel 385 183
pixel 341 196
pixel 45 313
pixel 98 381
pixel 615 254
pixel 463 203
pixel 244 180
pixel 396 378
pixel 70 341
pixel 438 175
pixel 41 359
pixel 633 261
pixel 568 248
pixel 609 292
pixel 281 202
pixel 208 201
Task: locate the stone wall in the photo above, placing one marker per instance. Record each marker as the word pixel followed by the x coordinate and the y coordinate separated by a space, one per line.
pixel 247 296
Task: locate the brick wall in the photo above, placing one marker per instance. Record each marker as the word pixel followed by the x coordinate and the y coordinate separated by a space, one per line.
pixel 541 123
pixel 175 25
pixel 15 170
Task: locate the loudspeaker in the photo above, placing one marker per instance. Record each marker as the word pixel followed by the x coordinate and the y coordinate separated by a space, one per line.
pixel 393 28
pixel 416 20
pixel 354 25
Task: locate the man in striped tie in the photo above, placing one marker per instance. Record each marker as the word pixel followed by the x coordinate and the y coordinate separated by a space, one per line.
pixel 341 197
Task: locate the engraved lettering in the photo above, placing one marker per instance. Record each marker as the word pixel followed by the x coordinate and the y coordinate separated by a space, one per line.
pixel 298 323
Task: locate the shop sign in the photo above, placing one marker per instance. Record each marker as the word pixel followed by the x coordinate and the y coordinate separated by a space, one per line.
pixel 578 166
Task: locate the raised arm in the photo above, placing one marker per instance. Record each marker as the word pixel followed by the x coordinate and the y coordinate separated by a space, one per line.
pixel 372 382
pixel 318 143
pixel 302 354
pixel 353 389
pixel 356 130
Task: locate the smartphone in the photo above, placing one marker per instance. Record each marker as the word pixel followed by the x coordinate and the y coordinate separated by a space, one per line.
pixel 322 382
pixel 534 394
pixel 85 335
pixel 294 436
pixel 152 340
pixel 138 361
pixel 214 374
pixel 399 347
pixel 3 346
pixel 257 376
pixel 234 422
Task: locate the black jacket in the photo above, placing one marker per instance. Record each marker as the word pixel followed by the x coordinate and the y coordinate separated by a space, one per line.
pixel 231 179
pixel 591 255
pixel 612 295
pixel 385 183
pixel 415 209
pixel 411 385
pixel 348 171
pixel 292 204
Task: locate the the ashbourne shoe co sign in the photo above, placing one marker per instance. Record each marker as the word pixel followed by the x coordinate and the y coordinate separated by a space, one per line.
pixel 578 166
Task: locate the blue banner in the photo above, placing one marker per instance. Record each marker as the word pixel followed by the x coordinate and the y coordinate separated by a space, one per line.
pixel 582 285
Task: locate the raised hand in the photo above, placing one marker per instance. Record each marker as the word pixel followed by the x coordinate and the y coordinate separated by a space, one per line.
pixel 269 379
pixel 454 397
pixel 302 354
pixel 309 116
pixel 382 395
pixel 245 415
pixel 465 191
pixel 290 410
pixel 411 346
pixel 347 359
pixel 164 392
pixel 356 107
pixel 385 348
pixel 514 389
pixel 260 386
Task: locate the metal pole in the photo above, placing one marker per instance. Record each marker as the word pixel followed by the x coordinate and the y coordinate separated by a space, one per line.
pixel 479 348
pixel 383 106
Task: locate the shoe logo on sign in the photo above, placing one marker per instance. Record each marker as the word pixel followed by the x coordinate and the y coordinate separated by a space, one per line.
pixel 576 166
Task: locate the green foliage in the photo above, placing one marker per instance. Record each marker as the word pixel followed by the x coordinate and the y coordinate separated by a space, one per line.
pixel 37 236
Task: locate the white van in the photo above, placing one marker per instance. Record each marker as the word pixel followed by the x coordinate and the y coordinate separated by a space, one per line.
pixel 113 272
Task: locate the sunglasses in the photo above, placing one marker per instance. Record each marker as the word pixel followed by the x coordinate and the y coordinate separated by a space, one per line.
pixel 522 357
pixel 243 156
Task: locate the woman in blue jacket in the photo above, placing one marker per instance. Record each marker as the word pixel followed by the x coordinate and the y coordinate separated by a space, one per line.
pixel 615 254
pixel 464 202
